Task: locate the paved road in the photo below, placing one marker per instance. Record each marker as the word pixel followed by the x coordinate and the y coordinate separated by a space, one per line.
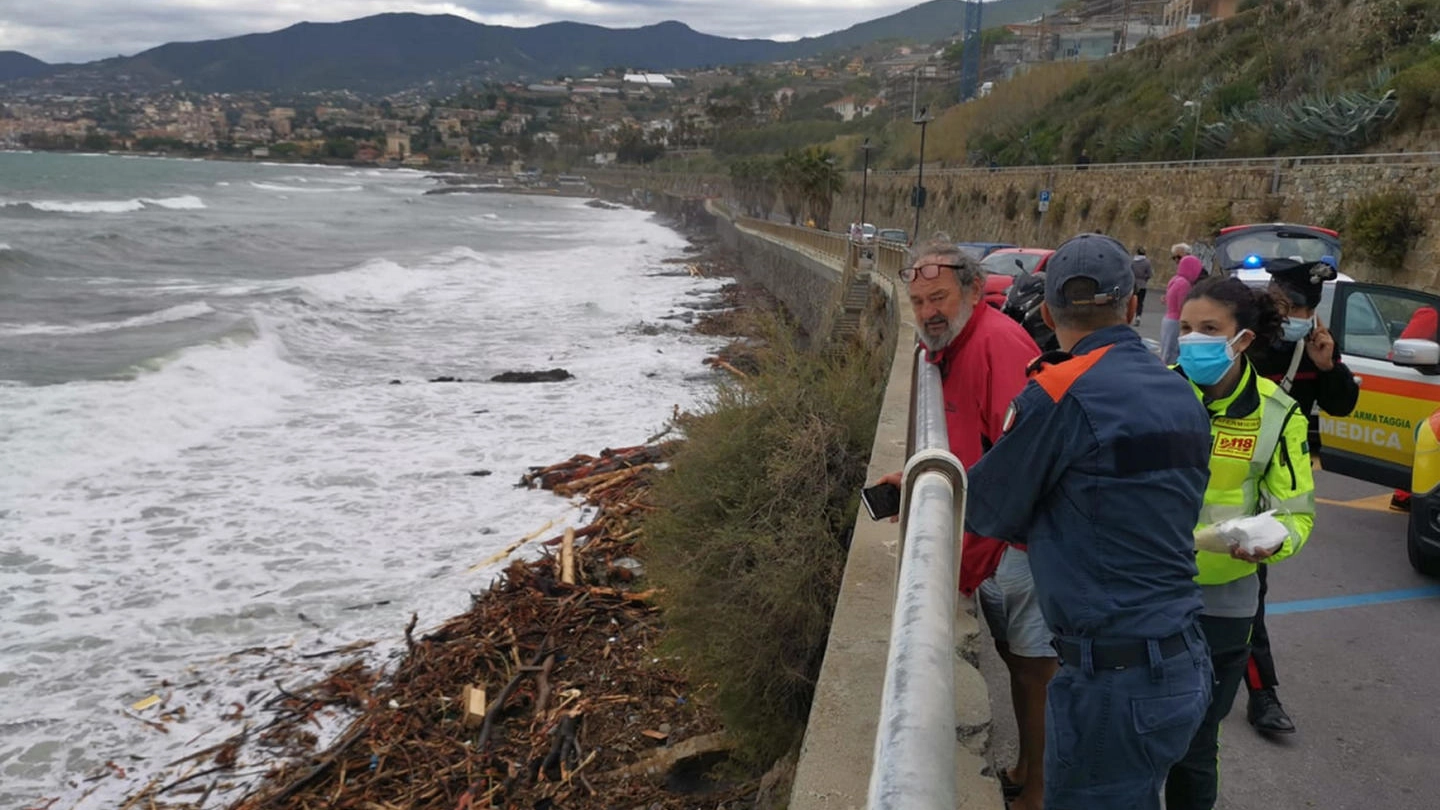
pixel 1352 630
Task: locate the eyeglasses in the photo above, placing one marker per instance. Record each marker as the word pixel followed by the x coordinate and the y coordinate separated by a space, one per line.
pixel 1176 258
pixel 926 271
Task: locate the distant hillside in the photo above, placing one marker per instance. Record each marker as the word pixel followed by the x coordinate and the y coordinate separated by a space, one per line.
pixel 926 22
pixel 394 51
pixel 390 52
pixel 16 65
pixel 1351 75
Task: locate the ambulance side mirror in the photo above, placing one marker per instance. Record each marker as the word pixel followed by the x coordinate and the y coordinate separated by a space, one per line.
pixel 1421 355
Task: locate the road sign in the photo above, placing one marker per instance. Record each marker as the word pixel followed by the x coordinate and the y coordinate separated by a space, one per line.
pixel 1044 200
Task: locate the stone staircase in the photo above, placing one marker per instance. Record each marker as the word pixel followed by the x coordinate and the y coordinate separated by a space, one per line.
pixel 852 309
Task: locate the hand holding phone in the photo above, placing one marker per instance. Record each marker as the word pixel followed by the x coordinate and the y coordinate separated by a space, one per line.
pixel 881 501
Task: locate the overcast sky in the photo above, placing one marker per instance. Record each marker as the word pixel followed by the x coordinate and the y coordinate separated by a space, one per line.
pixel 82 30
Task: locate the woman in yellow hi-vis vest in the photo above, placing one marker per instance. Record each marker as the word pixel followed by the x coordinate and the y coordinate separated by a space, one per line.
pixel 1259 503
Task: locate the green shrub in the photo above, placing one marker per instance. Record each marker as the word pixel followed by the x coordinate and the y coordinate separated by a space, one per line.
pixel 1112 212
pixel 1417 90
pixel 1384 227
pixel 1334 219
pixel 1056 214
pixel 1012 202
pixel 747 542
pixel 1219 217
pixel 1140 212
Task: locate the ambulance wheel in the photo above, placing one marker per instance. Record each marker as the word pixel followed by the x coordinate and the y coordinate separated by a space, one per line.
pixel 1424 552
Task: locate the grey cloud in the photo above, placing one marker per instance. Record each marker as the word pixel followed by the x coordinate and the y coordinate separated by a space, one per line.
pixel 81 30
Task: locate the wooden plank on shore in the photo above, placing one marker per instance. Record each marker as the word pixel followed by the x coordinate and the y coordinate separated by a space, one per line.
pixel 567 557
pixel 472 698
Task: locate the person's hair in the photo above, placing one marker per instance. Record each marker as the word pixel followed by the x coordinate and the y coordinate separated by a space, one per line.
pixel 1253 309
pixel 1179 249
pixel 967 270
pixel 1140 250
pixel 1085 317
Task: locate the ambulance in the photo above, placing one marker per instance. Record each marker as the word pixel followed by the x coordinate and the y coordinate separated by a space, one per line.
pixel 1388 338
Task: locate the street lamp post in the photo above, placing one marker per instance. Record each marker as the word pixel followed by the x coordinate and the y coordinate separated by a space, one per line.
pixel 1195 135
pixel 918 198
pixel 864 180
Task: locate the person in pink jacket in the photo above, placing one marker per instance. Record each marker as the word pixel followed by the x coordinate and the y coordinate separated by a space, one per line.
pixel 1186 274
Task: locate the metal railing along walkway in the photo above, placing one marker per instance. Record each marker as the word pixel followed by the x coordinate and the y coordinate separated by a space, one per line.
pixel 915 744
pixel 914 759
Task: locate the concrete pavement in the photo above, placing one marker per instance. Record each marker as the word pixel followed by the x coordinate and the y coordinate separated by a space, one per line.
pixel 1351 626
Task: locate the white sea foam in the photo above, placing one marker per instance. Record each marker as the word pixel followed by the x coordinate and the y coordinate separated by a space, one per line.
pixel 179 312
pixel 298 189
pixel 151 527
pixel 4 246
pixel 73 432
pixel 185 203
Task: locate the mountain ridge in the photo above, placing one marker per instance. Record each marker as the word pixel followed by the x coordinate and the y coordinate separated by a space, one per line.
pixel 403 50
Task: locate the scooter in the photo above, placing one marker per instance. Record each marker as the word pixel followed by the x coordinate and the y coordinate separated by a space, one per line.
pixel 1022 303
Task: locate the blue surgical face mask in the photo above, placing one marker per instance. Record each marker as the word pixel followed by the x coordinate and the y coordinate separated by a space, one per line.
pixel 1206 358
pixel 1297 328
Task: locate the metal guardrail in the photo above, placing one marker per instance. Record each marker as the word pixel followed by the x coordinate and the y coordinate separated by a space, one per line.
pixel 826 243
pixel 915 744
pixel 1392 159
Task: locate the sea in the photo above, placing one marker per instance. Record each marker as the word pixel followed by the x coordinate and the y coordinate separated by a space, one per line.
pixel 221 455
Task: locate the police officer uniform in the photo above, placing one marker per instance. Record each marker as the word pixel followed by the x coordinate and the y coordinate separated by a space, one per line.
pixel 1288 365
pixel 1116 583
pixel 1260 461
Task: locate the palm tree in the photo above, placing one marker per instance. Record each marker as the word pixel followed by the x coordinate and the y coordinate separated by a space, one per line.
pixel 822 181
pixel 793 182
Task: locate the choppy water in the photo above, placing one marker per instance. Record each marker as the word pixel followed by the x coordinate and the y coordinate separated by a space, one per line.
pixel 201 450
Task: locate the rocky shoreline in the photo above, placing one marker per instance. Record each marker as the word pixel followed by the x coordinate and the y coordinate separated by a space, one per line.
pixel 553 690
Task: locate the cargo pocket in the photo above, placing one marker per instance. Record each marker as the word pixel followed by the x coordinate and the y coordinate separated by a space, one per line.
pixel 1062 734
pixel 1167 724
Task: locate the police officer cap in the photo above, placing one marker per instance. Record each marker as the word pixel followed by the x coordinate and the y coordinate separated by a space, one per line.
pixel 1302 281
pixel 1089 256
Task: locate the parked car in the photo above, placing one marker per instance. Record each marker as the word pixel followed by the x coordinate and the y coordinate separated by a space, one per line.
pixel 1004 265
pixel 895 235
pixel 1388 336
pixel 982 249
pixel 866 234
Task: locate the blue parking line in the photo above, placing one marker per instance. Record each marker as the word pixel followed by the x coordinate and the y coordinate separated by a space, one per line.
pixel 1352 600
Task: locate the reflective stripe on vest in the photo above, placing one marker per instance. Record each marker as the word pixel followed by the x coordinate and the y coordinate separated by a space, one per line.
pixel 1229 460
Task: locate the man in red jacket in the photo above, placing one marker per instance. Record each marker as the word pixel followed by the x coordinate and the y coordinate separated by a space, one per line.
pixel 982 356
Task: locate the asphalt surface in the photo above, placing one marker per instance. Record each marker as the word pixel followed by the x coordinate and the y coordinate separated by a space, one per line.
pixel 1350 625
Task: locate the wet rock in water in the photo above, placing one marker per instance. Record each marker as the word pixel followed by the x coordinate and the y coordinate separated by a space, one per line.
pixel 446 379
pixel 553 375
pixel 480 473
pixel 396 382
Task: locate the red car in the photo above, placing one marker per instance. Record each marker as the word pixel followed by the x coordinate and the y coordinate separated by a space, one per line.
pixel 1003 266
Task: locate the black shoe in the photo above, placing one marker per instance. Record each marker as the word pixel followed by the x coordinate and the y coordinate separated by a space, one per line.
pixel 1267 715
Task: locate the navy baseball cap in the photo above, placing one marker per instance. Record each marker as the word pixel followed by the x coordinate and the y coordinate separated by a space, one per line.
pixel 1092 256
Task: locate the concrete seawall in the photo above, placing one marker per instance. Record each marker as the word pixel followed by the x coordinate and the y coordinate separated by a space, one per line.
pixel 1140 204
pixel 834 765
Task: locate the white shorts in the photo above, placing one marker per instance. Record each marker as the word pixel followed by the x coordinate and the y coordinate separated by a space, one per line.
pixel 1011 609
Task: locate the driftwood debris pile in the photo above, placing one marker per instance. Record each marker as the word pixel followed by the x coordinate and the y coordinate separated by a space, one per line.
pixel 549 693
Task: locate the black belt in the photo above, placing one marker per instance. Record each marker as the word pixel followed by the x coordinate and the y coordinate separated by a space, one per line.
pixel 1119 654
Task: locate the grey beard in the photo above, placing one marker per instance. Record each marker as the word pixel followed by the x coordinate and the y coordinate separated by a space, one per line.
pixel 936 344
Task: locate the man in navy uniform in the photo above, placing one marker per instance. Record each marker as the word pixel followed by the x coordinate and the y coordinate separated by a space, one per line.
pixel 1102 471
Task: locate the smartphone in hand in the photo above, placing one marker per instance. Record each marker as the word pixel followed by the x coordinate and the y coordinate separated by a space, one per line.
pixel 881 501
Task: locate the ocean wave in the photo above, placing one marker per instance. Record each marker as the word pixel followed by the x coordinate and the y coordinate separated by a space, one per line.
pixel 298 190
pixel 184 203
pixel 376 280
pixel 4 246
pixel 180 312
pixel 81 429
